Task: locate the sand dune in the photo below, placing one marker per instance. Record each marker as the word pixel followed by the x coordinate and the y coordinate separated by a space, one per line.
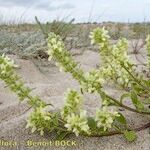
pixel 50 86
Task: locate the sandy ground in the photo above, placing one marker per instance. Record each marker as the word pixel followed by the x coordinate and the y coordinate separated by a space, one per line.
pixel 50 84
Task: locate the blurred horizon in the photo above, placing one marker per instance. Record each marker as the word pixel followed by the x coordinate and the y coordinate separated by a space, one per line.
pixel 124 11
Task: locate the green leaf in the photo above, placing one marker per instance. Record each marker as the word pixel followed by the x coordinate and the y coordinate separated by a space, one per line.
pixel 92 123
pixel 130 135
pixel 121 119
pixel 137 103
pixel 124 96
pixel 61 135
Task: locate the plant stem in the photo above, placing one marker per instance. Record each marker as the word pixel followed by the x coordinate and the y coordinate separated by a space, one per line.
pixel 145 126
pixel 135 79
pixel 124 106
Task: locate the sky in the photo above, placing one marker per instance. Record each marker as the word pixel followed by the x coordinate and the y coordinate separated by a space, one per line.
pixel 81 10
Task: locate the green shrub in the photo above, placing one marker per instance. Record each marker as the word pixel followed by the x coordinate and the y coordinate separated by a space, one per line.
pixel 60 28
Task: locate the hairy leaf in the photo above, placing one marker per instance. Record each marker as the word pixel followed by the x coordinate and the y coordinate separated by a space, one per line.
pixel 130 135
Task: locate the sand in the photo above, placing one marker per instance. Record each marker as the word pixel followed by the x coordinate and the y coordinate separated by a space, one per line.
pixel 50 85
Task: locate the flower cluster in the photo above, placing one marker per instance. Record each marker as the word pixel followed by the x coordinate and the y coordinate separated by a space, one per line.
pixel 73 103
pixel 105 118
pixel 11 79
pixel 14 82
pixel 148 49
pixel 112 57
pixel 6 64
pixel 90 81
pixel 77 123
pixel 99 36
pixel 119 52
pixel 94 81
pixel 39 120
pixel 72 113
pixel 64 61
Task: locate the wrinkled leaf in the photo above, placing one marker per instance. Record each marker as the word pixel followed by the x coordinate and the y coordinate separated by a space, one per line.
pixel 91 123
pixel 121 119
pixel 130 135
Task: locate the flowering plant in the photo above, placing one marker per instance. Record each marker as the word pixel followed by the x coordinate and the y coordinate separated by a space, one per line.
pixel 112 57
pixel 73 118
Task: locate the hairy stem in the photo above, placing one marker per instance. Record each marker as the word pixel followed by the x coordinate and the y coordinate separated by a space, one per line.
pixel 124 106
pixel 145 126
pixel 135 79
